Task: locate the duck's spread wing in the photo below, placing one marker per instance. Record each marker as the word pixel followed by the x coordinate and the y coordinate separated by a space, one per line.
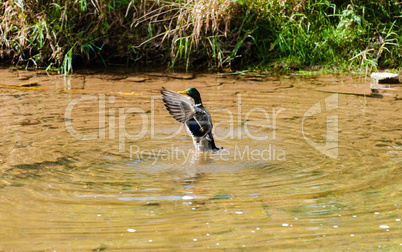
pixel 200 124
pixel 178 105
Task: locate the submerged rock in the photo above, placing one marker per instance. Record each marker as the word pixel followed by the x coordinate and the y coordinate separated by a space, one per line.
pixel 137 79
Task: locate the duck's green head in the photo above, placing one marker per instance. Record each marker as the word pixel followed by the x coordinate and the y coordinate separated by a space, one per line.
pixel 193 93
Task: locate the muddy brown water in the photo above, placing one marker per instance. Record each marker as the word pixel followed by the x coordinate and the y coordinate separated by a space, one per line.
pixel 94 161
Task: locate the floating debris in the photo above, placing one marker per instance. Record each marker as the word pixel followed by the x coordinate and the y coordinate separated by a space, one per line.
pixel 389 78
pixel 28 84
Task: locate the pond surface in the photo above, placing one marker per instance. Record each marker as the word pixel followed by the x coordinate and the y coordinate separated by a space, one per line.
pixel 95 162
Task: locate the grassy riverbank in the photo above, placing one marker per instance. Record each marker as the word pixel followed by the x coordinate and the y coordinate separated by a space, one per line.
pixel 287 34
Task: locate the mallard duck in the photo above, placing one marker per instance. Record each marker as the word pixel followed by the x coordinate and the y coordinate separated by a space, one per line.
pixel 193 114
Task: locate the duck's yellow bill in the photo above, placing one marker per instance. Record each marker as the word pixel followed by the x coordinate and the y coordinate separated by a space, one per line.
pixel 183 92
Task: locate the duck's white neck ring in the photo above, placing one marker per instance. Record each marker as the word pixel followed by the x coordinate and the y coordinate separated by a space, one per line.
pixel 199 104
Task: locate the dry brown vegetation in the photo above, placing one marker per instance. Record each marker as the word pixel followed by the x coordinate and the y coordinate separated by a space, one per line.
pixel 206 33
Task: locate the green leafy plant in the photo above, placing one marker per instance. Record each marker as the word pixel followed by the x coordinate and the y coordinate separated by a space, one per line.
pixel 224 34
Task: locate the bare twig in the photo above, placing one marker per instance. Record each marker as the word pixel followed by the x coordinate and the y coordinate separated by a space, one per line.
pixel 361 53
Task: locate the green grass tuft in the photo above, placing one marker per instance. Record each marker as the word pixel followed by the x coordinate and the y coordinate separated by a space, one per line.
pixel 224 34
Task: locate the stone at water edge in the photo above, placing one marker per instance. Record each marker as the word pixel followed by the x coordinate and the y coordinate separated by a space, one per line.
pixel 136 79
pixel 385 77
